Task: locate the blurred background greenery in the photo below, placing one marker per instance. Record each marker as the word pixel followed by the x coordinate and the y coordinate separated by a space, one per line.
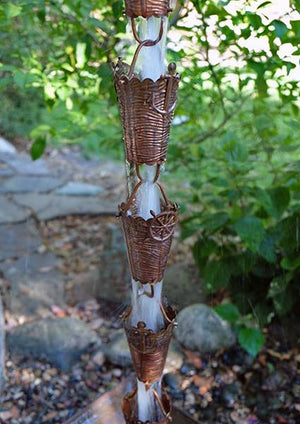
pixel 234 156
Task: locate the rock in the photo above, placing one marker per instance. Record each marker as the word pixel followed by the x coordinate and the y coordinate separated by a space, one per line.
pixel 25 184
pixel 111 282
pixel 175 357
pixel 172 380
pixel 60 341
pixel 10 212
pixel 98 358
pixel 2 348
pixel 114 275
pixel 73 188
pixel 24 165
pixel 182 285
pixel 18 240
pixel 35 285
pixel 54 205
pixel 117 352
pixel 6 147
pixel 231 393
pixel 201 329
pixel 188 369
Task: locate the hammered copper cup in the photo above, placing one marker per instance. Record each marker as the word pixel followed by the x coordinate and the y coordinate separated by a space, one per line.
pixel 148 242
pixel 147 8
pixel 129 408
pixel 146 109
pixel 148 349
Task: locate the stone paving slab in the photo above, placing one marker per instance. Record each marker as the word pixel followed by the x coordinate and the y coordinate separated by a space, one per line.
pixel 52 206
pixel 74 188
pixel 22 164
pixel 29 184
pixel 6 146
pixel 5 170
pixel 10 212
pixel 35 284
pixel 2 348
pixel 18 240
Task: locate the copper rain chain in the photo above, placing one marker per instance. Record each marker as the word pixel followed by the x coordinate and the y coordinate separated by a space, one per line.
pixel 146 110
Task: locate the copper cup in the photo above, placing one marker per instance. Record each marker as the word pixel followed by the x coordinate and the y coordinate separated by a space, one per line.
pixel 148 349
pixel 147 8
pixel 146 109
pixel 129 408
pixel 148 242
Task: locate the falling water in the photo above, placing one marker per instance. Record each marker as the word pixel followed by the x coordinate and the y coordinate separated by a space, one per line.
pixel 147 309
pixel 151 64
pixel 151 60
pixel 148 408
pixel 148 197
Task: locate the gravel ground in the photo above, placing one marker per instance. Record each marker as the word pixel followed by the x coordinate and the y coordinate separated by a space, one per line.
pixel 229 387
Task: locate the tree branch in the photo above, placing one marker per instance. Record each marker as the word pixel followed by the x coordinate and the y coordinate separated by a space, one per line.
pixel 222 124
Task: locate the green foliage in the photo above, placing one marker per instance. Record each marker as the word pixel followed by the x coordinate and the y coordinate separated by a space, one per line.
pixel 251 339
pixel 249 336
pixel 38 147
pixel 234 152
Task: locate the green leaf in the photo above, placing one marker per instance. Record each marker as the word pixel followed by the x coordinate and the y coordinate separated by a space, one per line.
pixel 217 274
pixel 284 302
pixel 12 10
pixel 278 285
pixel 228 311
pixel 267 248
pixel 214 221
pixel 280 28
pixel 80 55
pixel 291 263
pixel 264 4
pixel 251 231
pixel 280 197
pixel 251 339
pixel 38 147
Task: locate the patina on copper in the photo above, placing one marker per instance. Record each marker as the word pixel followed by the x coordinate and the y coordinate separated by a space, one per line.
pixel 148 241
pixel 147 8
pixel 148 349
pixel 146 109
pixel 129 408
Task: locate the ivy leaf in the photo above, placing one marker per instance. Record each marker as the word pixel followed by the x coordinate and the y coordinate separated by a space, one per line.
pixel 38 147
pixel 251 231
pixel 251 339
pixel 228 311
